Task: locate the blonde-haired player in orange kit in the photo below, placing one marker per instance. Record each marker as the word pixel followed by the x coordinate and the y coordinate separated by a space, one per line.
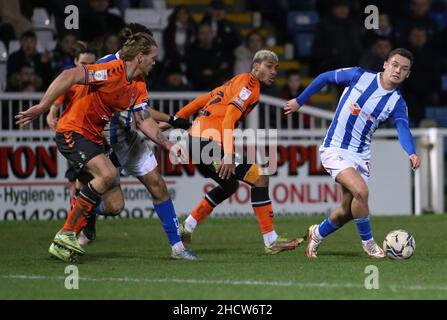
pixel 219 112
pixel 109 87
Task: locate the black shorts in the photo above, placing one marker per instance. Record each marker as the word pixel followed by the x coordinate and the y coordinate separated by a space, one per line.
pixel 198 147
pixel 78 150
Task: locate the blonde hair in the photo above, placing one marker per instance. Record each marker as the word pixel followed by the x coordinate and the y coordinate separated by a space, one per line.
pixel 136 43
pixel 263 55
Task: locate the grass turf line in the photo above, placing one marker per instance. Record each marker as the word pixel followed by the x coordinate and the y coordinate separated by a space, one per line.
pixel 130 260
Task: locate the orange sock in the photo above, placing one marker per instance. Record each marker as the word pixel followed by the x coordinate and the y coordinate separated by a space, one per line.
pixel 202 211
pixel 76 216
pixel 264 214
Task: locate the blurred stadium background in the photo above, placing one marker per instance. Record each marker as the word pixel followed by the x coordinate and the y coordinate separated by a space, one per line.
pixel 197 53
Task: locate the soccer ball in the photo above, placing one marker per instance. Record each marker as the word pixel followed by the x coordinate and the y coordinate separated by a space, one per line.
pixel 399 244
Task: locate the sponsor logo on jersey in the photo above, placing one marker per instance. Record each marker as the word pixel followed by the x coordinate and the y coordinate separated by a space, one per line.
pixel 355 109
pixel 100 75
pixel 245 93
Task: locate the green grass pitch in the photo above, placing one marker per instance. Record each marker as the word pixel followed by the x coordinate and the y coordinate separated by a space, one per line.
pixel 130 260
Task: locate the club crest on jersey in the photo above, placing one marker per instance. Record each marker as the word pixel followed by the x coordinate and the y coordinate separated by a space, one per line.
pixel 245 93
pixel 355 109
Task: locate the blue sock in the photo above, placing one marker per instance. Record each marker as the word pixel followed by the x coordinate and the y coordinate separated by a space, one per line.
pixel 327 227
pixel 364 228
pixel 100 209
pixel 166 213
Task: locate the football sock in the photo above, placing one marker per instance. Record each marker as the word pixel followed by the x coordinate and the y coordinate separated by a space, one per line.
pixel 178 247
pixel 203 210
pixel 212 199
pixel 262 207
pixel 100 209
pixel 327 227
pixel 364 228
pixel 270 237
pixel 190 223
pixel 87 199
pixel 166 213
pixel 73 198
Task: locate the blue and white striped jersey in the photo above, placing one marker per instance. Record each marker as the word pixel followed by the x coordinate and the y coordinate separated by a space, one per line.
pixel 119 127
pixel 363 105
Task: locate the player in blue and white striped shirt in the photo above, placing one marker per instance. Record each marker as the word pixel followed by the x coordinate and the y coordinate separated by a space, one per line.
pixel 368 99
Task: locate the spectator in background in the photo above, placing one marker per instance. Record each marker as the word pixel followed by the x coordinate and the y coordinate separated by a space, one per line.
pixel 373 59
pixel 178 35
pixel 245 52
pixel 111 44
pixel 64 52
pixel 293 89
pixel 385 30
pixel 422 87
pixel 204 62
pixel 337 42
pixel 418 16
pixel 441 47
pixel 173 79
pixel 98 21
pixel 274 14
pixel 227 35
pixel 24 80
pixel 28 55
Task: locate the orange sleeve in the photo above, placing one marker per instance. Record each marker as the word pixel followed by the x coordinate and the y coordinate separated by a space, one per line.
pixel 104 73
pixel 244 93
pixel 142 96
pixel 232 116
pixel 193 106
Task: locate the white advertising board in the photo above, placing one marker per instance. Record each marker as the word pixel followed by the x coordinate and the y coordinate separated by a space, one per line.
pixel 33 187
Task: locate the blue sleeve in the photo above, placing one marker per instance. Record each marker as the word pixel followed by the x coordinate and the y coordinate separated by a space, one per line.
pixel 110 57
pixel 400 117
pixel 340 76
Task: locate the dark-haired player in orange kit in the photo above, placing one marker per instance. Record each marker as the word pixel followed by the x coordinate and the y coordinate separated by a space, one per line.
pixel 219 112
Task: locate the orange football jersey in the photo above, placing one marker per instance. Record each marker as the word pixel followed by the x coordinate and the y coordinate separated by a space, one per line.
pixel 106 91
pixel 240 94
pixel 64 99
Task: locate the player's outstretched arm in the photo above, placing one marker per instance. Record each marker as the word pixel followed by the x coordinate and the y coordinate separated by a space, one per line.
pixel 173 121
pixel 407 142
pixel 194 106
pixel 400 117
pixel 150 129
pixel 341 76
pixel 60 85
pixel 52 116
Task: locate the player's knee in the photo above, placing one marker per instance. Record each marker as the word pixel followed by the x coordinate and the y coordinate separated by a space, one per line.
pixel 262 181
pixel 361 195
pixel 158 189
pixel 114 209
pixel 108 176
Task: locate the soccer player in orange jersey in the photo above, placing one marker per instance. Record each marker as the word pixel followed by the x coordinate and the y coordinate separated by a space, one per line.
pixel 219 112
pixel 82 56
pixel 134 157
pixel 107 88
